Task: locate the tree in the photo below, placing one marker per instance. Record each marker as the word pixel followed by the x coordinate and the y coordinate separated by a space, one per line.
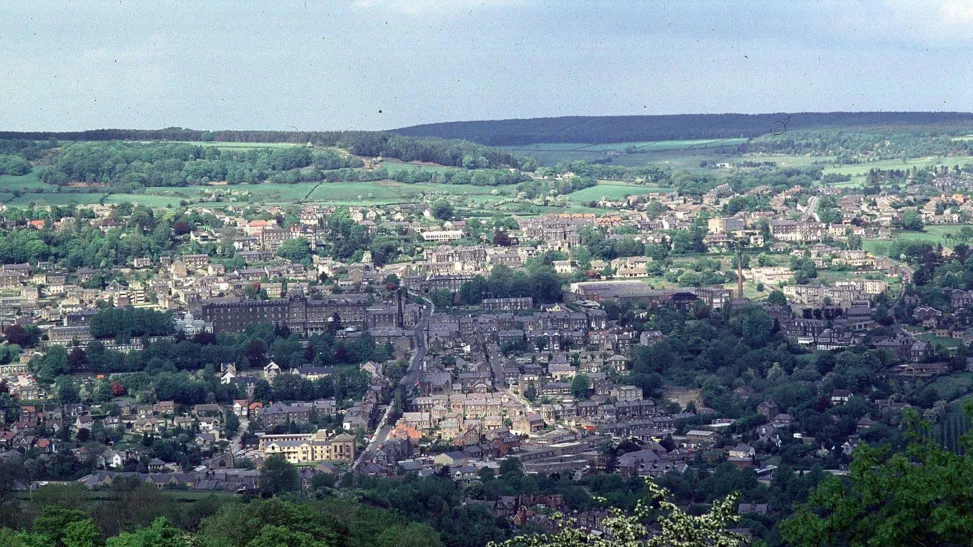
pixel 77 359
pixel 442 210
pixel 511 466
pixel 82 533
pixel 501 238
pixel 66 391
pixel 442 298
pixel 965 234
pixel 581 386
pixel 912 221
pixel 676 528
pixel 232 423
pixel 276 536
pixel 278 475
pixel 255 352
pixel 531 392
pixel 159 534
pixel 16 334
pixel 295 250
pixel 777 297
pixel 920 496
pixel 415 534
pixel 236 525
pixel 68 527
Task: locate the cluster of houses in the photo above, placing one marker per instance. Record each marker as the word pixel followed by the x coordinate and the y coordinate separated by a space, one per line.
pixel 508 377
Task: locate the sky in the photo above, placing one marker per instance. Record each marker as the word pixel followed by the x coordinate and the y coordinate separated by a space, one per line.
pixel 382 64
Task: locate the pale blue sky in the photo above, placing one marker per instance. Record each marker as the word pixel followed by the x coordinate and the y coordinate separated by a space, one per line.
pixel 337 64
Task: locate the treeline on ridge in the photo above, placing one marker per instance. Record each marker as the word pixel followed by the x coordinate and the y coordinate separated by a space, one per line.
pixel 610 129
pixel 363 143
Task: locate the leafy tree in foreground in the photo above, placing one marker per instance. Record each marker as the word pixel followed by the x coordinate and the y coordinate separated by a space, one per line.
pixel 275 536
pixel 159 534
pixel 54 521
pixel 922 496
pixel 676 528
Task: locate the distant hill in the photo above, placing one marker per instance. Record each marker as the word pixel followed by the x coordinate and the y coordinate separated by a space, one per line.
pixel 609 129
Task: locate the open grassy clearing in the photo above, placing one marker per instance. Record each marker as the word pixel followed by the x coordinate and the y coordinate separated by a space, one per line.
pixel 928 161
pixel 338 193
pixel 30 181
pixel 145 200
pixel 646 146
pixel 785 160
pixel 939 341
pixel 395 166
pixel 650 152
pixel 51 198
pixel 932 234
pixel 613 191
pixel 390 190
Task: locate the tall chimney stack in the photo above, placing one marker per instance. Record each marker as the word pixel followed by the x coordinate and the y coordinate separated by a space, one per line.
pixel 739 272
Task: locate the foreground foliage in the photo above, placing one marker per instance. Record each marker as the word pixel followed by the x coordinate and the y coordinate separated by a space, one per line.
pixel 921 496
pixel 676 528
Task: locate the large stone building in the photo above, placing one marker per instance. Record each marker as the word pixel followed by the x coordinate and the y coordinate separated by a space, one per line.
pixel 298 313
pixel 310 447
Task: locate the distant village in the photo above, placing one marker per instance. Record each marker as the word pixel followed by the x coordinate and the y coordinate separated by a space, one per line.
pixel 477 384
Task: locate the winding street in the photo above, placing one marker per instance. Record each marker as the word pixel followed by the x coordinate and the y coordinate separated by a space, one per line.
pixel 409 380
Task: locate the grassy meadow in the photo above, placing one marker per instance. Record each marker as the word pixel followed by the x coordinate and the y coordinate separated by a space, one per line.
pixel 932 234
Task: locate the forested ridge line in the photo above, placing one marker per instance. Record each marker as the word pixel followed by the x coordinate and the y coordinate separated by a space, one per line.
pixel 613 129
pixel 450 152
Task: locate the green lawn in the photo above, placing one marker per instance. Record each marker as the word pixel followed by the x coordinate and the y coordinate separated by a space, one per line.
pixel 862 169
pixel 269 192
pixel 932 234
pixel 685 153
pixel 60 198
pixel 144 199
pixel 940 341
pixel 30 181
pixel 392 191
pixel 612 190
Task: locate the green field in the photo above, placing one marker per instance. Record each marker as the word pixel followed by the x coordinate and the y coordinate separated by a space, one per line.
pixel 143 199
pixel 859 170
pixel 50 198
pixel 940 341
pixel 691 152
pixel 785 160
pixel 612 190
pixel 30 181
pixel 339 193
pixel 392 191
pixel 932 234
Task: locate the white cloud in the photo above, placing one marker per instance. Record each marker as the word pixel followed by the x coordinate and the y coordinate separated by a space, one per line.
pixel 934 22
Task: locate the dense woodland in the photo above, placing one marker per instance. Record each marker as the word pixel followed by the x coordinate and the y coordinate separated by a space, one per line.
pixel 849 146
pixel 610 129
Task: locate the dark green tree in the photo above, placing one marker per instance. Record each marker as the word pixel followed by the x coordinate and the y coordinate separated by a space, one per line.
pixel 278 476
